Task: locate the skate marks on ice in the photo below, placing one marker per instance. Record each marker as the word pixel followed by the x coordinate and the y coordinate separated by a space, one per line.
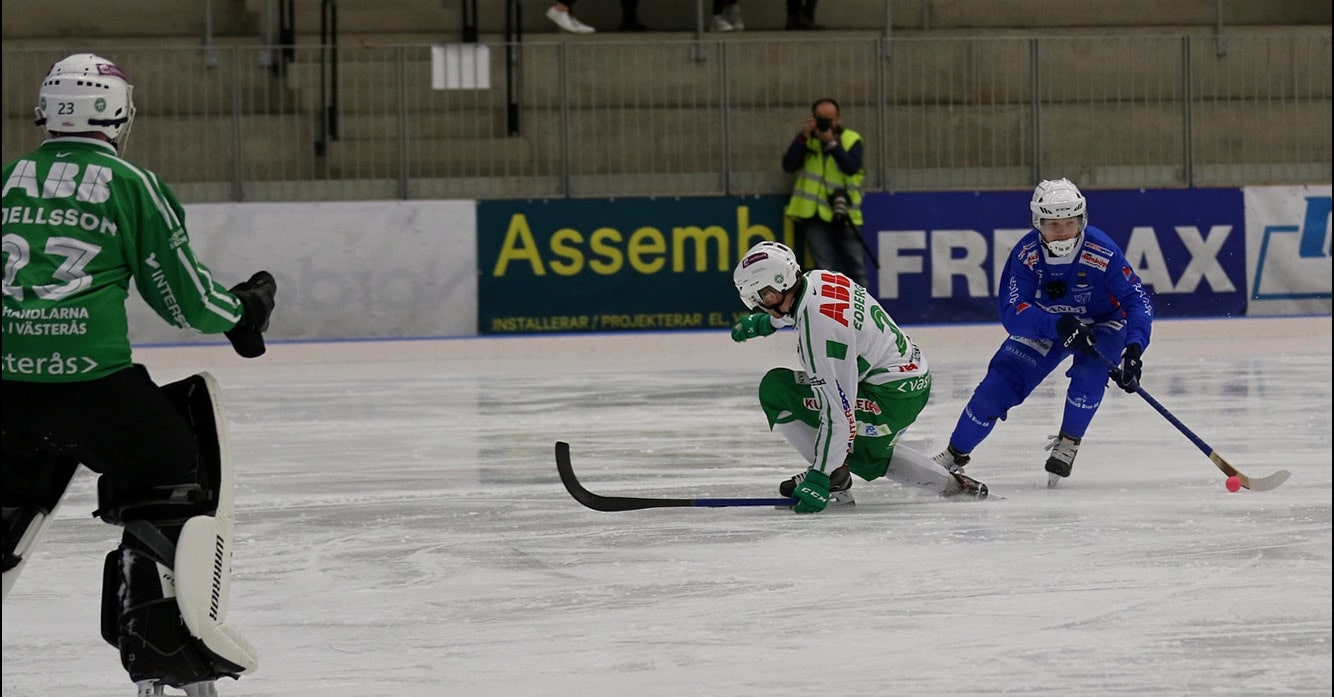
pixel 406 533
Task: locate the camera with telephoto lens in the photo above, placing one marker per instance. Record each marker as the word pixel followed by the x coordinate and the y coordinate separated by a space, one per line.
pixel 823 124
pixel 839 201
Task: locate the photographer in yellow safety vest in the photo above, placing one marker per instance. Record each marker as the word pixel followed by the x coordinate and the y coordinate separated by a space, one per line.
pixel 826 203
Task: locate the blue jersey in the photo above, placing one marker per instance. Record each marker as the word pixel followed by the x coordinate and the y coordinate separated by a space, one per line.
pixel 1094 282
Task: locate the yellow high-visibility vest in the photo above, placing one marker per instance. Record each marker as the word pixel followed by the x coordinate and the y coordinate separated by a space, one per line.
pixel 819 176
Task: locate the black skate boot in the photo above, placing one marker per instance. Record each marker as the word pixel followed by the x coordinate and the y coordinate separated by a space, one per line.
pixel 840 486
pixel 1063 449
pixel 968 487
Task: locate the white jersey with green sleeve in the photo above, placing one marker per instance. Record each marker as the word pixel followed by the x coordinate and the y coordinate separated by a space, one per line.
pixel 79 224
pixel 844 338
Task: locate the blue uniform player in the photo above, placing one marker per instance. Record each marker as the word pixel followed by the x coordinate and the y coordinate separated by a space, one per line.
pixel 1066 290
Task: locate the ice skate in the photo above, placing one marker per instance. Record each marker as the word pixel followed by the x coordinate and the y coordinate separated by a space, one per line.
pixel 157 688
pixel 840 486
pixel 968 487
pixel 1063 449
pixel 952 459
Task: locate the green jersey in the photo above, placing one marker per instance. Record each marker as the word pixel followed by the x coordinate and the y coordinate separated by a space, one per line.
pixel 79 223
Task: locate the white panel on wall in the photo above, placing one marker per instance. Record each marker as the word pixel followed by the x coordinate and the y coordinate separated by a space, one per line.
pixel 1287 249
pixel 345 270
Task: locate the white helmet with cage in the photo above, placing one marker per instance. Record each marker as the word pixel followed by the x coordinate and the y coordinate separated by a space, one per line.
pixel 86 93
pixel 767 265
pixel 1055 199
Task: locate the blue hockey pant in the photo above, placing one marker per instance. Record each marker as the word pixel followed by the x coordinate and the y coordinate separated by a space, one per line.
pixel 1019 366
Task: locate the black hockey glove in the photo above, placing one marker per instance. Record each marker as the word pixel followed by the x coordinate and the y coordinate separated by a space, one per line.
pixel 1075 335
pixel 256 296
pixel 1131 367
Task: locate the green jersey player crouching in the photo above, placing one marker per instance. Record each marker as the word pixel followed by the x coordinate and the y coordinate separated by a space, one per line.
pixel 861 382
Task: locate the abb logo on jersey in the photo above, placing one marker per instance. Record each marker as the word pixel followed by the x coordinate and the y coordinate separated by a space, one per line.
pixel 839 289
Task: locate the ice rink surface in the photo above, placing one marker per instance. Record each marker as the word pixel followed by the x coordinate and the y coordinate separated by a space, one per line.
pixel 401 530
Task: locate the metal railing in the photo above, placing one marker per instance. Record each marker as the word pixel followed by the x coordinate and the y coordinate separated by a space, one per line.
pixel 611 119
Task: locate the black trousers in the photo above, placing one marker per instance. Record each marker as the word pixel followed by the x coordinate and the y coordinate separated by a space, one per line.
pixel 122 426
pixel 797 9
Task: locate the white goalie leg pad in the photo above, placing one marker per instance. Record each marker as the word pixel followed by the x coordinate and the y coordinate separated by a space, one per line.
pixel 203 583
pixel 26 545
pixel 204 559
pixel 912 468
pixel 24 525
pixel 203 562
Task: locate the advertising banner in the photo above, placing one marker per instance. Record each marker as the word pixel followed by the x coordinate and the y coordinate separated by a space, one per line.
pixel 1287 243
pixel 404 269
pixel 620 265
pixel 941 254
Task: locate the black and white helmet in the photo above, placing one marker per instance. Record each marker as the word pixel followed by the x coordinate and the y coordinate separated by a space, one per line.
pixel 767 265
pixel 86 93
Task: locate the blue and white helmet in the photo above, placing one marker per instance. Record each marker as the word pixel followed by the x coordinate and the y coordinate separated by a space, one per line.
pixel 767 265
pixel 86 93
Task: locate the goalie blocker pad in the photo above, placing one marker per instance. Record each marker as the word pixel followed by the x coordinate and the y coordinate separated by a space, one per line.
pixel 164 605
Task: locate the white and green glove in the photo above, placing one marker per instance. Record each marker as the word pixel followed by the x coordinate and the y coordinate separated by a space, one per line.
pixel 813 493
pixel 753 325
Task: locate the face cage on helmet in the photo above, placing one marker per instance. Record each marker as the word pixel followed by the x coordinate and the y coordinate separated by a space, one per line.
pixel 754 302
pixel 1061 248
pixel 752 299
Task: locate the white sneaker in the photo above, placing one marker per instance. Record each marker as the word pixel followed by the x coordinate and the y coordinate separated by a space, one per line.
pixel 720 23
pixel 734 17
pixel 568 23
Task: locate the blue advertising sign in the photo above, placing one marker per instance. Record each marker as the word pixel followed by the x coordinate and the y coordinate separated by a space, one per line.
pixel 941 254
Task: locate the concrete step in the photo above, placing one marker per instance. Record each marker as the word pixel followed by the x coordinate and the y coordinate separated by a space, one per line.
pixel 670 73
pixel 445 18
pixel 74 21
pixel 170 76
pixel 435 158
pixel 64 19
pixel 692 140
